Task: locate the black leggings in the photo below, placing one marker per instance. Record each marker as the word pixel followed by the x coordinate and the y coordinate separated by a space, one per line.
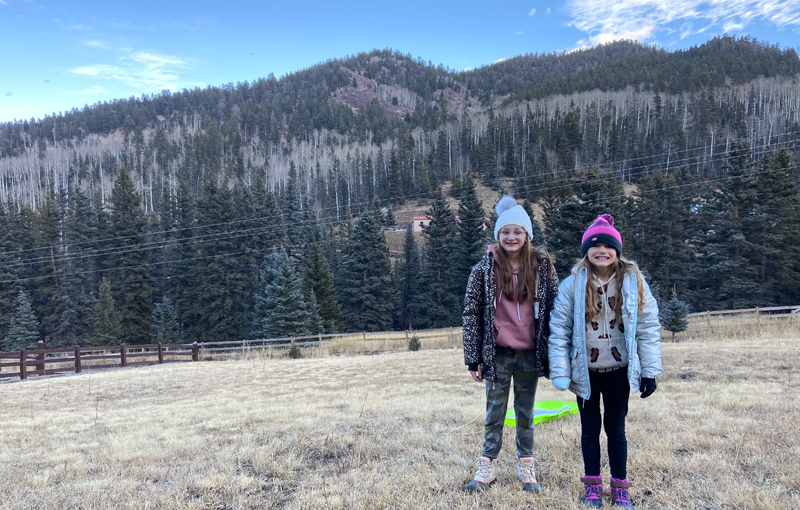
pixel 614 388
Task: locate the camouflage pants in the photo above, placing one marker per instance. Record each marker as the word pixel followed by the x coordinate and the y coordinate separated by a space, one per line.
pixel 521 367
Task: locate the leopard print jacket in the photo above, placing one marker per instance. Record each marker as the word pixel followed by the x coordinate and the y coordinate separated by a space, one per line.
pixel 478 315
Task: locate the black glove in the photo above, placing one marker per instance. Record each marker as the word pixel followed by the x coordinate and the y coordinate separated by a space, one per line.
pixel 647 386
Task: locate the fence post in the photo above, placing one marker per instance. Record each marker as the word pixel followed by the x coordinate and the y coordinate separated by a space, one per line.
pixel 40 357
pixel 708 319
pixel 123 355
pixel 195 352
pixel 319 339
pixel 23 367
pixel 77 359
pixel 364 335
pixel 758 318
pixel 160 353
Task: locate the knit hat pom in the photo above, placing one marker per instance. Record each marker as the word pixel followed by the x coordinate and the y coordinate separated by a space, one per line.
pixel 601 231
pixel 607 218
pixel 504 204
pixel 511 213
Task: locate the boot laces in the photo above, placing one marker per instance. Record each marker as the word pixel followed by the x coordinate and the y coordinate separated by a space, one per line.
pixel 527 471
pixel 592 491
pixel 622 495
pixel 484 470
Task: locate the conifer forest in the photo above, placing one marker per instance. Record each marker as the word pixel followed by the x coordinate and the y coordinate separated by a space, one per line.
pixel 261 210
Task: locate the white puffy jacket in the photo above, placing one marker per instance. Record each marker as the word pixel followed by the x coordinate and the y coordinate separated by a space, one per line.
pixel 567 342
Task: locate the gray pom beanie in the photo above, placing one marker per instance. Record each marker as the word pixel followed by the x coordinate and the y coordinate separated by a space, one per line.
pixel 511 213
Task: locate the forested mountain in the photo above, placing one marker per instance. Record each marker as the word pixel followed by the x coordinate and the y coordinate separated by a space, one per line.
pixel 201 200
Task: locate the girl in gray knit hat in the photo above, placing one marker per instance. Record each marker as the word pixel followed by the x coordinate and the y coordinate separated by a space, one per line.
pixel 506 311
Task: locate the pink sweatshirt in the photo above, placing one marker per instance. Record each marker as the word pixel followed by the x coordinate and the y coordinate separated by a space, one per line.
pixel 514 323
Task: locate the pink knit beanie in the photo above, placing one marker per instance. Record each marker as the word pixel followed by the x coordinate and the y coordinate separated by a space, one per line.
pixel 601 231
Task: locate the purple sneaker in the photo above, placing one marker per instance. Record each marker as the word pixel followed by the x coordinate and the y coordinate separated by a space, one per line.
pixel 619 493
pixel 593 491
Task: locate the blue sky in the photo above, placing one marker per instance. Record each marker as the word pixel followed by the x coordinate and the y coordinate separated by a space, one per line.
pixel 62 55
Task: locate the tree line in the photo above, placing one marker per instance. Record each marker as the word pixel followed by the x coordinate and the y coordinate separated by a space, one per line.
pixel 243 262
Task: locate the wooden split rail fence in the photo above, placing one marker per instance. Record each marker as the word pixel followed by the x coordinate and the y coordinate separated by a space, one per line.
pixel 77 359
pixel 234 347
pixel 41 361
pixel 707 321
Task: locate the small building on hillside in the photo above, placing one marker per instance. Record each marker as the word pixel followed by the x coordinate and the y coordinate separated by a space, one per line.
pixel 421 222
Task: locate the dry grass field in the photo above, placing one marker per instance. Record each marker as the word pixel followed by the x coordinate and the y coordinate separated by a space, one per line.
pixel 390 430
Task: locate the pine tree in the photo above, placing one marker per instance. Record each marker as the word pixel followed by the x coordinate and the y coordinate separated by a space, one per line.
pixel 292 209
pixel 472 234
pixel 442 302
pixel 319 279
pixel 721 276
pixel 660 222
pixel 66 326
pixel 23 329
pixel 775 231
pixel 81 233
pixel 315 324
pixel 280 308
pixel 395 194
pixel 216 300
pixel 48 224
pixel 131 271
pixel 366 283
pixel 537 236
pixel 407 280
pixel 108 328
pixel 558 200
pixel 165 328
pixel 674 315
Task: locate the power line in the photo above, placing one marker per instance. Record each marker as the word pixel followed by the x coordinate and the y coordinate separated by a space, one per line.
pixel 240 233
pixel 332 222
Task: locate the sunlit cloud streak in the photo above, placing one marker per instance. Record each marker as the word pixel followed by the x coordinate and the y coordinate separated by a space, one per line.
pixel 644 19
pixel 144 71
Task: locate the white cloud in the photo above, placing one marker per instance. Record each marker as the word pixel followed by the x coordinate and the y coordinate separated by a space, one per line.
pixel 519 33
pixel 141 70
pixel 548 10
pixel 533 12
pixel 641 19
pixel 87 70
pixel 95 89
pixel 641 33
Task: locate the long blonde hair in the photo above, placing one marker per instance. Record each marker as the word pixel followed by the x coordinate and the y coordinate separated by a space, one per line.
pixel 622 266
pixel 529 259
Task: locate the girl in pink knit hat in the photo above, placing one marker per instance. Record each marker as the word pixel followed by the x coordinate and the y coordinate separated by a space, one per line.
pixel 605 340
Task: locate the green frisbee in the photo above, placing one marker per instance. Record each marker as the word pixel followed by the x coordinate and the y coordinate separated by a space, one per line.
pixel 545 410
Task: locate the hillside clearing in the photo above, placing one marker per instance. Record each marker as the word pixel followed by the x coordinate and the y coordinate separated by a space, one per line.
pixel 394 430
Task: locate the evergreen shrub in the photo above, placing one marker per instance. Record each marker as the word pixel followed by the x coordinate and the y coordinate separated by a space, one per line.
pixel 295 352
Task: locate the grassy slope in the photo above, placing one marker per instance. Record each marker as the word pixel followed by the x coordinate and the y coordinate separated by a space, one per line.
pixel 395 430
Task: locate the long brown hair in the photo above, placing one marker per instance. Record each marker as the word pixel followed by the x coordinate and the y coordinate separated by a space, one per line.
pixel 529 259
pixel 620 268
